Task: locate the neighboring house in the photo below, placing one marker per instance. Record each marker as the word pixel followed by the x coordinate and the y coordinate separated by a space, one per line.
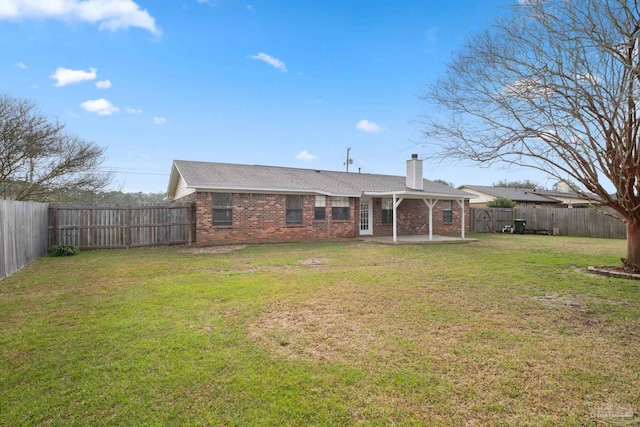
pixel 567 199
pixel 526 197
pixel 246 203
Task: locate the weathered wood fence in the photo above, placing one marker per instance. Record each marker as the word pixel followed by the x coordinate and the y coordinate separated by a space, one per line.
pixel 23 234
pixel 584 222
pixel 101 227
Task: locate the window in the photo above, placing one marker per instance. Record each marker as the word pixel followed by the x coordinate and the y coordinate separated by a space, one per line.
pixel 340 208
pixel 321 208
pixel 294 209
pixel 447 214
pixel 222 208
pixel 387 211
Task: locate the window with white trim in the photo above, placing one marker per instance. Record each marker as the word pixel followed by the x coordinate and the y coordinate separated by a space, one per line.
pixel 294 209
pixel 340 208
pixel 387 211
pixel 321 207
pixel 447 212
pixel 222 209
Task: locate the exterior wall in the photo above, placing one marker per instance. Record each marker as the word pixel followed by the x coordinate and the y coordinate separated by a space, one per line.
pixel 262 217
pixel 481 199
pixel 413 218
pixel 182 190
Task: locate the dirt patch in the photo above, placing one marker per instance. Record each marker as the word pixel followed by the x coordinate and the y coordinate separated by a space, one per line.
pixel 213 249
pixel 558 301
pixel 314 261
pixel 315 330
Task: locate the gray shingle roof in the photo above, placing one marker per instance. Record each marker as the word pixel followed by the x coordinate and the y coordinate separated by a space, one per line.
pixel 553 193
pixel 211 176
pixel 515 194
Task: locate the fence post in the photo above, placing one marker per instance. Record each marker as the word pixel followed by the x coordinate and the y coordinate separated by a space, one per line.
pixel 54 217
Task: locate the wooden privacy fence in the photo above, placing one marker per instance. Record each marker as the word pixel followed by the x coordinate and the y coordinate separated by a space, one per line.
pixel 101 227
pixel 584 222
pixel 23 234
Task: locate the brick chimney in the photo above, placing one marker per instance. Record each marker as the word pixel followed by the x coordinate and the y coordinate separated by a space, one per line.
pixel 414 173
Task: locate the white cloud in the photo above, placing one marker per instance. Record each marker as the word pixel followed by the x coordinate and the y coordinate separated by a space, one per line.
pixel 159 120
pixel 304 155
pixel 588 77
pixel 101 107
pixel 65 76
pixel 528 89
pixel 274 62
pixel 111 15
pixel 132 110
pixel 431 36
pixel 104 84
pixel 21 64
pixel 369 127
pixel 250 7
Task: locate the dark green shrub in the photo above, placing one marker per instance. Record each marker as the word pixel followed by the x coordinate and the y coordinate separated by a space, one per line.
pixel 501 202
pixel 63 250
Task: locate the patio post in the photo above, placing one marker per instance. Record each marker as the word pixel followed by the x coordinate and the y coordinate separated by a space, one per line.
pixel 462 215
pixel 430 204
pixel 396 203
pixel 395 226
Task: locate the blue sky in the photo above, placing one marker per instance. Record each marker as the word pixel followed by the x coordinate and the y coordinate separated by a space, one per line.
pixel 281 83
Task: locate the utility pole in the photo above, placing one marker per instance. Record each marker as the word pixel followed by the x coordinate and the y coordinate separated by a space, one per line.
pixel 349 159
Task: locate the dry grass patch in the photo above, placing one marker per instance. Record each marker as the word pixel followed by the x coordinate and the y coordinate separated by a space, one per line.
pixel 489 352
pixel 212 249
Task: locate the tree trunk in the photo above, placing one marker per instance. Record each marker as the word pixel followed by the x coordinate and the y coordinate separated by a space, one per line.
pixel 633 244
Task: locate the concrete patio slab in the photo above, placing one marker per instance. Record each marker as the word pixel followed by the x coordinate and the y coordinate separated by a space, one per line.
pixel 415 240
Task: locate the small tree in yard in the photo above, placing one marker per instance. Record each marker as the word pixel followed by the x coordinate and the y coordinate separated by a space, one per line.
pixel 554 86
pixel 501 202
pixel 39 160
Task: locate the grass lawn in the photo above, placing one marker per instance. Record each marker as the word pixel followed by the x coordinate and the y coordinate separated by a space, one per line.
pixel 505 331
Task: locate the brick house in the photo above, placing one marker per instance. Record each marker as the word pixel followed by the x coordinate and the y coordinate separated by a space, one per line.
pixel 238 203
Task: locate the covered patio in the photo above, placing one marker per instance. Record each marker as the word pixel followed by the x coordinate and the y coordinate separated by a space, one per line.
pixel 430 200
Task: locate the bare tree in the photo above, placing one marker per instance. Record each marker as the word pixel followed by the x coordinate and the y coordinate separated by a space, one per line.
pixel 38 159
pixel 553 86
